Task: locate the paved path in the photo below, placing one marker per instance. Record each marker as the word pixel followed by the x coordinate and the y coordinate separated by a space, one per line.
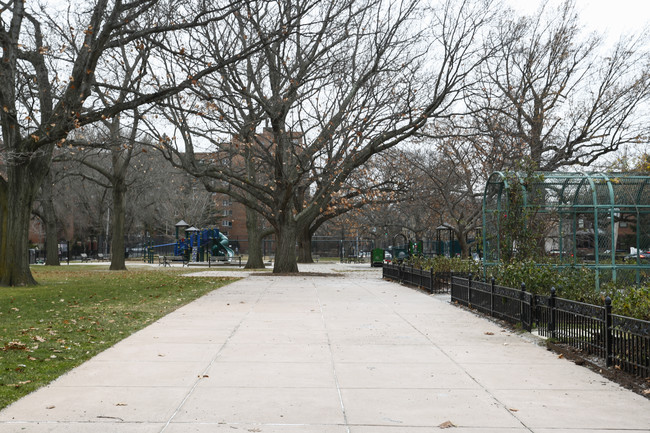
pixel 327 355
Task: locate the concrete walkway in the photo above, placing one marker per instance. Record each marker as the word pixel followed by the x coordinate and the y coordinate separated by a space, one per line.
pixel 327 355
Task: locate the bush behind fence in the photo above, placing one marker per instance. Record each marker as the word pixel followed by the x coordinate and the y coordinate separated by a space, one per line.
pixel 621 341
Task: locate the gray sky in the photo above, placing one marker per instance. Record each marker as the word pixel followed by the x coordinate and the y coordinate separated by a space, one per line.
pixel 614 17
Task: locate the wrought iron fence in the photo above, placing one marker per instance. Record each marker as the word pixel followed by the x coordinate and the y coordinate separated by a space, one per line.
pixel 432 282
pixel 620 341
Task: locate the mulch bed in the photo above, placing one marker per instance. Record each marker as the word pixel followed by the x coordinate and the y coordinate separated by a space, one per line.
pixel 297 274
pixel 639 385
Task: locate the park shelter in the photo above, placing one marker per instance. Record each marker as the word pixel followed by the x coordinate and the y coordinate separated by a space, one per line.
pixel 595 220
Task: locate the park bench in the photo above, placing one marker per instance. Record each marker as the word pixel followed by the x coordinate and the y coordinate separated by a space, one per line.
pixel 84 257
pixel 168 260
pixel 101 257
pixel 315 258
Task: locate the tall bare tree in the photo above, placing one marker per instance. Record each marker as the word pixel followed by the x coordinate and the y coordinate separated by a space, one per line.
pixel 560 95
pixel 52 68
pixel 356 78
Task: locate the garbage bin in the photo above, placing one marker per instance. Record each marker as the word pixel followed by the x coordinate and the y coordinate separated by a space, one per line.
pixel 32 256
pixel 377 257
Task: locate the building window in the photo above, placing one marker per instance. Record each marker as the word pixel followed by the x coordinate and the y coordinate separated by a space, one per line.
pixel 226 223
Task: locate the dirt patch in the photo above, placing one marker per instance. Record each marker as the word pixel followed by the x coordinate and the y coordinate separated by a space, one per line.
pixel 633 383
pixel 298 274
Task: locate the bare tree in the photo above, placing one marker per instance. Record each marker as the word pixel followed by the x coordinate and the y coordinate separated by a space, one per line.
pixel 379 181
pixel 356 78
pixel 46 212
pixel 560 95
pixel 52 68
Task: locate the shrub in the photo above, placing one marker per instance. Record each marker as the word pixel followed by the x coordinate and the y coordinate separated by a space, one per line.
pixel 446 264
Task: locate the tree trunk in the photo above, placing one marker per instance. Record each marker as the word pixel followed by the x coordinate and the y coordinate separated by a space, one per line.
pixel 117 226
pixel 51 242
pixel 462 241
pixel 304 246
pixel 14 247
pixel 51 229
pixel 255 256
pixel 285 251
pixel 4 217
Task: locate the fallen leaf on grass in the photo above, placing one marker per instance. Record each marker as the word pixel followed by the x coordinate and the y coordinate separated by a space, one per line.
pixel 447 424
pixel 15 345
pixel 38 338
pixel 19 384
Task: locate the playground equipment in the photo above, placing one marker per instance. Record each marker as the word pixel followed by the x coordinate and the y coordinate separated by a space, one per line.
pixel 590 220
pixel 199 246
pixel 203 242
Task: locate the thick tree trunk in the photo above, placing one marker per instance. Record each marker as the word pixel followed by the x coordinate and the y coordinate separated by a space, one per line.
pixel 14 245
pixel 304 246
pixel 285 251
pixel 117 226
pixel 51 242
pixel 51 229
pixel 464 246
pixel 255 255
pixel 4 216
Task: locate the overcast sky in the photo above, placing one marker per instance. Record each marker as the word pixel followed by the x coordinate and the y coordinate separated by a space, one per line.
pixel 611 16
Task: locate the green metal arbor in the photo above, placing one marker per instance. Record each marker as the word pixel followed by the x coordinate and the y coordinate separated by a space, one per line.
pixel 595 220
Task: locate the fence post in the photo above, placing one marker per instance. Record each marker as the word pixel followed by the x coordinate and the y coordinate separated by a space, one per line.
pixel 608 332
pixel 521 305
pixel 431 285
pixel 469 290
pixel 551 323
pixel 492 281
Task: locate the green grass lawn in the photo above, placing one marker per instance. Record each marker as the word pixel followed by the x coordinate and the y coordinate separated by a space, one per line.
pixel 76 312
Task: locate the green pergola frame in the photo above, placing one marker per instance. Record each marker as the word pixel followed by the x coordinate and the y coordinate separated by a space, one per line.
pixel 585 212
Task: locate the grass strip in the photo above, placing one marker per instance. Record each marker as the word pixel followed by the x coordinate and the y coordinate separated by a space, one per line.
pixel 78 311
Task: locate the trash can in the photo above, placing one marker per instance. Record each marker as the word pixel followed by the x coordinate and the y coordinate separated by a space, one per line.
pixel 377 257
pixel 32 256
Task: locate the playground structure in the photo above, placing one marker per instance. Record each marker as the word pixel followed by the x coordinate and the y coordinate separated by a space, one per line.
pixel 599 221
pixel 198 246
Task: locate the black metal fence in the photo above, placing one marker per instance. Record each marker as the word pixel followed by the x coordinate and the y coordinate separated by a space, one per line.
pixel 621 341
pixel 432 282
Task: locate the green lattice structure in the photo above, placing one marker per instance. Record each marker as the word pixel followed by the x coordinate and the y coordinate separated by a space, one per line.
pixel 593 220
